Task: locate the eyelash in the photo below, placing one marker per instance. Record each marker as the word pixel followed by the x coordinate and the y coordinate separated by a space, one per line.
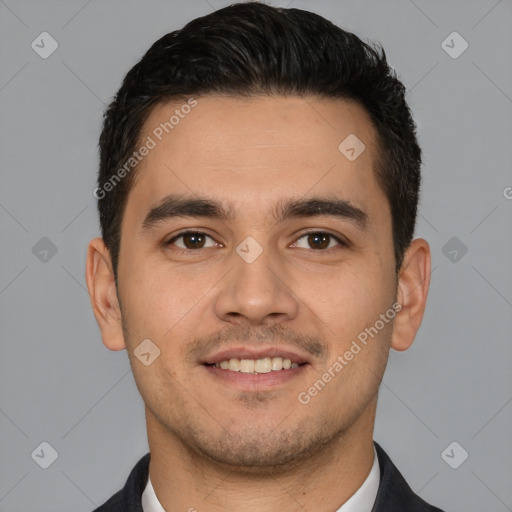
pixel 168 243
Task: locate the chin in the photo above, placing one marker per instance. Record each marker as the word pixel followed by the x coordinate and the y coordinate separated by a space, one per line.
pixel 254 449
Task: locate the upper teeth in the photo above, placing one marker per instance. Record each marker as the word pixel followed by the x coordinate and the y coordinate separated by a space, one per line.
pixel 264 365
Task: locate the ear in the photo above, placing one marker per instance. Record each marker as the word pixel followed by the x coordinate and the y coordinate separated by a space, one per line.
pixel 413 284
pixel 102 292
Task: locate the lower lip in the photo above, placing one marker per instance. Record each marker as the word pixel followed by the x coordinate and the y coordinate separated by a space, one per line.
pixel 251 380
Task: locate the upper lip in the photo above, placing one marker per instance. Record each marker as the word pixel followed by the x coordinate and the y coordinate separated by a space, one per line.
pixel 255 353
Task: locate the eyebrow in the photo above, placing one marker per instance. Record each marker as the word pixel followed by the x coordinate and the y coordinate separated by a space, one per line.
pixel 173 206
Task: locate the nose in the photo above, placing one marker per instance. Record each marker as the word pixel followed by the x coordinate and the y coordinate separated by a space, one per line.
pixel 256 292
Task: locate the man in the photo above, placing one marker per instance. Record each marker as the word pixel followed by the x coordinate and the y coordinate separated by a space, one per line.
pixel 258 187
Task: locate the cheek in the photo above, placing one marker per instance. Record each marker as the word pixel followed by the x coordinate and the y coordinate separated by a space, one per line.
pixel 153 299
pixel 167 307
pixel 348 298
pixel 361 339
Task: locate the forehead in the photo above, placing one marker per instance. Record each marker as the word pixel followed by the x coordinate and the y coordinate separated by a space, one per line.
pixel 255 151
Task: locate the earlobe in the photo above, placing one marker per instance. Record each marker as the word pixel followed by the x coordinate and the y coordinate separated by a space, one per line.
pixel 102 292
pixel 413 285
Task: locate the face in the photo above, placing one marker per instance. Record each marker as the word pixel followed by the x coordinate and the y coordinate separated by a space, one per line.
pixel 284 257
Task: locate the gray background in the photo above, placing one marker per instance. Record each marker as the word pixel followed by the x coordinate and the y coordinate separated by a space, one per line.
pixel 60 385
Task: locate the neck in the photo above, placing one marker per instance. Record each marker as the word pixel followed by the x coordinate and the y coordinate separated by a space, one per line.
pixel 185 480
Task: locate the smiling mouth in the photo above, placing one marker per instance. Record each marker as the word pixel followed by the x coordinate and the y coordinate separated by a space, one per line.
pixel 256 366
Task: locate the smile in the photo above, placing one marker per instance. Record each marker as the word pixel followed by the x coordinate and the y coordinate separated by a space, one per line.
pixel 256 366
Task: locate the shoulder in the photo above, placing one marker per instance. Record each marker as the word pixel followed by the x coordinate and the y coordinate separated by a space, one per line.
pixel 394 493
pixel 128 499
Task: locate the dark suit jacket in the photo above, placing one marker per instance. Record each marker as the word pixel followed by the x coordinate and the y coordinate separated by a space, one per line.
pixel 394 494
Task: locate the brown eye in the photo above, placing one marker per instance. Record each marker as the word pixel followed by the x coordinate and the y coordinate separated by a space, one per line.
pixel 191 240
pixel 318 241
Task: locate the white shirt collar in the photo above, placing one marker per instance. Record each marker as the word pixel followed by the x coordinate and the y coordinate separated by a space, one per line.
pixel 361 501
pixel 364 498
pixel 150 502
